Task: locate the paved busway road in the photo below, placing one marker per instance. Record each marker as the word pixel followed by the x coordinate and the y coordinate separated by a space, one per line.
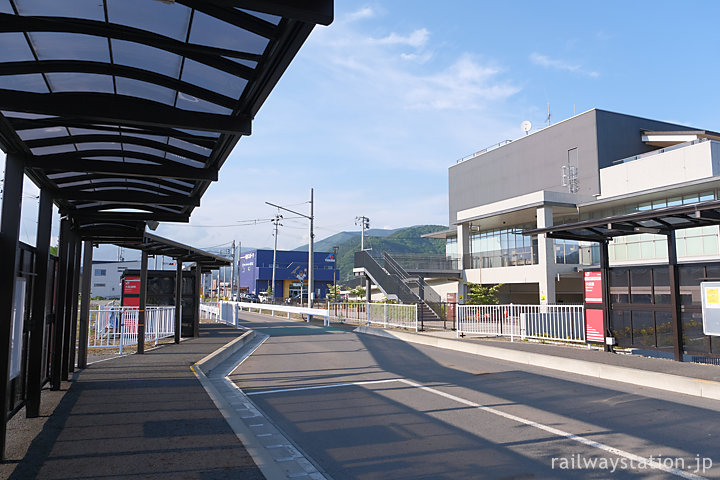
pixel 361 406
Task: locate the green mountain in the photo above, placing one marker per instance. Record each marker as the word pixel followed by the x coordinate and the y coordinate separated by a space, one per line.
pixel 326 244
pixel 401 240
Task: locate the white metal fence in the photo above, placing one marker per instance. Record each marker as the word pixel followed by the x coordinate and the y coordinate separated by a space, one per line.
pixel 117 327
pixel 546 322
pixel 383 314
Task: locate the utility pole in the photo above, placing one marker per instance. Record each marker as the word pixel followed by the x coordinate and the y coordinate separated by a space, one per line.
pixel 276 222
pixel 311 249
pixel 310 246
pixel 335 250
pixel 364 223
pixel 232 272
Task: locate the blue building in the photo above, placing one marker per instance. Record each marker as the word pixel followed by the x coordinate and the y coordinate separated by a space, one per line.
pixel 291 270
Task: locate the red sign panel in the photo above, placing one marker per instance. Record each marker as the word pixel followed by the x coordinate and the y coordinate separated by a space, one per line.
pixel 131 286
pixel 131 302
pixel 594 331
pixel 593 287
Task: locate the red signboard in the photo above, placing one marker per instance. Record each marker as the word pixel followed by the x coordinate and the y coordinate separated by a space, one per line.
pixel 131 302
pixel 593 287
pixel 594 331
pixel 451 306
pixel 131 286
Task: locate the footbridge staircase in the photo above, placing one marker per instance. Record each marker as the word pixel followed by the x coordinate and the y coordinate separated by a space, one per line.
pixel 397 284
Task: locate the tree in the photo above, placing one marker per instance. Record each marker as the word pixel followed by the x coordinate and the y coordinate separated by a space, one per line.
pixel 333 295
pixel 358 292
pixel 481 295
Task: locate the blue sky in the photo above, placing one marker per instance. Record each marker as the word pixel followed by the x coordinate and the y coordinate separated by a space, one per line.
pixel 377 106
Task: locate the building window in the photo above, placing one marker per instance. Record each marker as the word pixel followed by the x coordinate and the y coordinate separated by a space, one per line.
pixel 451 247
pixel 98 284
pixel 503 248
pixel 567 252
pixel 100 272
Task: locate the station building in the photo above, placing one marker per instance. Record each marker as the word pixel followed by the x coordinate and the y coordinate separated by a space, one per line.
pixel 291 268
pixel 594 165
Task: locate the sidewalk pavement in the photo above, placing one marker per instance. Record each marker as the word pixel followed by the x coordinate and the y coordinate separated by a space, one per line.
pixel 141 416
pixel 681 377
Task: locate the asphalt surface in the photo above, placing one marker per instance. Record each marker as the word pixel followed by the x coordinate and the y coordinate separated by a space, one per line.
pixel 141 416
pixel 360 407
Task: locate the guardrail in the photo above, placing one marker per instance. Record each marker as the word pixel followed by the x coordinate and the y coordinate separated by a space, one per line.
pixel 226 312
pixel 564 323
pixel 383 314
pixel 117 327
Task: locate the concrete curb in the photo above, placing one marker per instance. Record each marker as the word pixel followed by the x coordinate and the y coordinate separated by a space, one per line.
pixel 662 381
pixel 209 362
pixel 242 415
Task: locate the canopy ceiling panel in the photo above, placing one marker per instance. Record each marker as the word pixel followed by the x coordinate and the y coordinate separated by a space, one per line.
pixel 125 110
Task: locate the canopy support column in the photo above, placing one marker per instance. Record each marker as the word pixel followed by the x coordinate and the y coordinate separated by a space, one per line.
pixel 39 307
pixel 178 300
pixel 85 304
pixel 675 296
pixel 9 237
pixel 143 302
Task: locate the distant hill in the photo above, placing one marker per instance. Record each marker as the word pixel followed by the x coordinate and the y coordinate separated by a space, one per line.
pixel 399 240
pixel 326 244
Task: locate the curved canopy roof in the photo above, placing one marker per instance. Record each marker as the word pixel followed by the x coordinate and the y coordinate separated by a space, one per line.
pixel 125 110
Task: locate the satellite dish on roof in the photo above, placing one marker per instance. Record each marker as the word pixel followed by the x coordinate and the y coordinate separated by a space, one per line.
pixel 526 126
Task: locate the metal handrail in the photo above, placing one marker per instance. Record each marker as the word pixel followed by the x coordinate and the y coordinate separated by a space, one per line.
pixel 484 150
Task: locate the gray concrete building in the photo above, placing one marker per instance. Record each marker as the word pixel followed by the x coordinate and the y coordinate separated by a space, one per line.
pixel 592 165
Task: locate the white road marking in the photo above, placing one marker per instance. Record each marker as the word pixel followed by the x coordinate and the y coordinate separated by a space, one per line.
pixel 561 433
pixel 570 436
pixel 318 387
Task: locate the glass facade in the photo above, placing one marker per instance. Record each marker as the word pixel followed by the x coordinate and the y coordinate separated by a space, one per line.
pixel 503 248
pixel 451 247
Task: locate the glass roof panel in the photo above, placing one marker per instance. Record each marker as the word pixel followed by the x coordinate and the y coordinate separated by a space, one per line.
pixel 137 160
pixel 58 175
pixel 165 18
pixel 29 116
pixel 150 91
pixel 139 148
pixel 145 57
pixel 268 17
pixel 69 46
pixel 25 83
pixel 89 9
pixel 156 138
pixel 14 48
pixel 187 102
pixel 103 158
pixel 213 79
pixel 5 7
pixel 98 146
pixel 49 132
pixel 199 133
pixel 190 146
pixel 52 149
pixel 207 30
pixel 247 63
pixel 184 161
pixel 89 131
pixel 179 182
pixel 80 82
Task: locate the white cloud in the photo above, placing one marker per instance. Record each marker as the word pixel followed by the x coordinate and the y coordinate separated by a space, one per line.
pixel 388 66
pixel 547 62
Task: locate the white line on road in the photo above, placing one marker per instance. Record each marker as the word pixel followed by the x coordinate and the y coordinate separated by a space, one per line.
pixel 571 436
pixel 318 387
